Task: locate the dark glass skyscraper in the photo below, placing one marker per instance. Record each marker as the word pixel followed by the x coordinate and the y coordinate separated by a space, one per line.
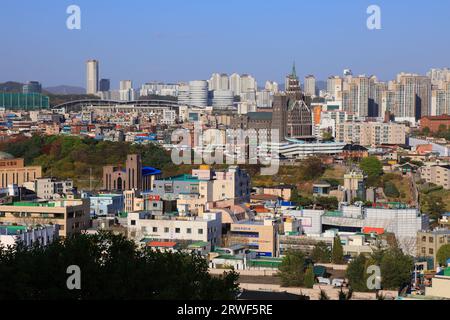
pixel 105 85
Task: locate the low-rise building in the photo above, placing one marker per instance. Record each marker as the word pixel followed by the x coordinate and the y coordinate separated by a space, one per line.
pixel 429 243
pixel 106 205
pixel 258 236
pixel 146 225
pixel 14 171
pixel 71 214
pixel 438 175
pixel 11 235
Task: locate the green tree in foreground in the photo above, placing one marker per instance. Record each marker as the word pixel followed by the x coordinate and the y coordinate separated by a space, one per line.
pixel 443 255
pixel 321 253
pixel 309 277
pixel 356 274
pixel 373 168
pixel 112 268
pixel 292 269
pixel 396 268
pixel 337 253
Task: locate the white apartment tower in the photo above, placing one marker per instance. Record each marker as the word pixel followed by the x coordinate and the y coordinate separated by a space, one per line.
pixel 92 76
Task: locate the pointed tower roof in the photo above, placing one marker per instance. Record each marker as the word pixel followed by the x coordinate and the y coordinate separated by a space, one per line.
pixel 294 71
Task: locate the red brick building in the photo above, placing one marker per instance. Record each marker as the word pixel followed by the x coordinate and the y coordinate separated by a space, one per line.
pixel 434 122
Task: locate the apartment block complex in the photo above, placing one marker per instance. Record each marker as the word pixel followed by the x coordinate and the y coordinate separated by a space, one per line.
pixel 438 175
pixel 371 133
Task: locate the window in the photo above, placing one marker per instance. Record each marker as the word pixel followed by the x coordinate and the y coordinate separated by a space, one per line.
pixel 188 230
pixel 166 230
pixel 424 239
pixel 431 251
pixel 200 231
pixel 431 240
pixel 133 222
pixel 155 229
pixel 177 230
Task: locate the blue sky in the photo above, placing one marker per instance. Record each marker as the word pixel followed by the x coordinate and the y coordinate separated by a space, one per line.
pixel 178 40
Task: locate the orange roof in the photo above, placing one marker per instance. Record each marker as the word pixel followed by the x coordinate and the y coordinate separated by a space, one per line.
pixel 168 244
pixel 368 230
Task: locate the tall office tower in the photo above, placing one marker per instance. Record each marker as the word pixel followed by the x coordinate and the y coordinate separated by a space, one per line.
pixel 92 71
pixel 235 84
pixel 183 94
pixel 334 86
pixel 271 86
pixel 105 85
pixel 376 93
pixel 198 93
pixel 292 85
pixel 32 87
pixel 248 83
pixel 413 96
pixel 310 85
pixel 355 98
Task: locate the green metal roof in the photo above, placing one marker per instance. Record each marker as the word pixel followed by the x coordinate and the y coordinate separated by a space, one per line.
pixel 183 177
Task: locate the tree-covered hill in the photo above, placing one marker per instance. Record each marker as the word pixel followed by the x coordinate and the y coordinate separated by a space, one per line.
pixel 71 157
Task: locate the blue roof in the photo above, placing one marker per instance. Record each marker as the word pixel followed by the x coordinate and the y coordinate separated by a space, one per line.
pixel 150 171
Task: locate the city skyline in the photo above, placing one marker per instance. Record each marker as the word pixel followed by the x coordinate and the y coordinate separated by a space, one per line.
pixel 245 42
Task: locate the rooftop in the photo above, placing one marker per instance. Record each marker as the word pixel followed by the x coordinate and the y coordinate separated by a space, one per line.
pixel 183 177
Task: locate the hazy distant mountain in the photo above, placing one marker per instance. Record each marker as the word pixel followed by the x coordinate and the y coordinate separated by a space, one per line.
pixel 11 86
pixel 66 90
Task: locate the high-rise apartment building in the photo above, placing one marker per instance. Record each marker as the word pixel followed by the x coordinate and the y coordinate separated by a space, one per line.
pixel 235 84
pixel 413 96
pixel 310 85
pixel 355 98
pixel 335 86
pixel 92 76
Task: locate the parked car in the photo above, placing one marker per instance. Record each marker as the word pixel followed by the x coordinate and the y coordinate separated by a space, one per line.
pixel 338 283
pixel 323 280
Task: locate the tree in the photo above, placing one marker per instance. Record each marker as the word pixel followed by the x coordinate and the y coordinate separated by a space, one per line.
pixel 311 168
pixel 321 253
pixel 356 274
pixel 426 131
pixel 323 295
pixel 112 268
pixel 443 255
pixel 337 253
pixel 396 268
pixel 390 190
pixel 309 277
pixel 328 203
pixel 292 269
pixel 371 166
pixel 346 295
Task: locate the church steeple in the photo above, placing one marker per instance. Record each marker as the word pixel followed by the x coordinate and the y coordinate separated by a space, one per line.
pixel 294 71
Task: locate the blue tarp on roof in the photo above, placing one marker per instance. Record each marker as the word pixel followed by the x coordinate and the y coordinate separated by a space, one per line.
pixel 150 171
